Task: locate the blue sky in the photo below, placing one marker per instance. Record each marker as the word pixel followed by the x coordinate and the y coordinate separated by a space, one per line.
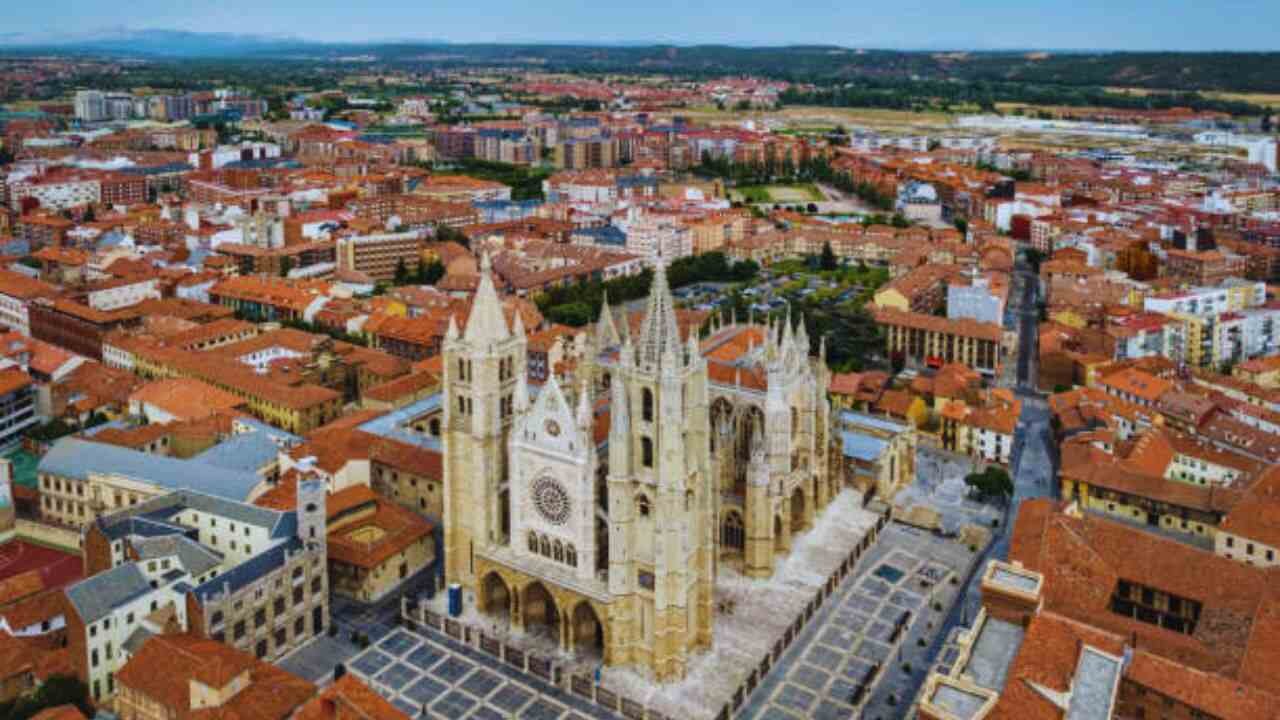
pixel 928 24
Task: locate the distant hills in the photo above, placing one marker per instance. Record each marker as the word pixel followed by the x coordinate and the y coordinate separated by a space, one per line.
pixel 1221 71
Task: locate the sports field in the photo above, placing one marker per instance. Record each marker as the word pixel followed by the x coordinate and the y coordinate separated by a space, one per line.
pixel 803 193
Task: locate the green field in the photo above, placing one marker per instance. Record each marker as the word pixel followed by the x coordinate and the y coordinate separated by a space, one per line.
pixel 802 193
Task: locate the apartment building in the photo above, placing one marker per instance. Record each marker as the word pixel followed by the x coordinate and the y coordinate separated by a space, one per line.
pixel 252 578
pixel 16 293
pixel 116 293
pixel 17 405
pixel 1249 533
pixel 75 326
pixel 935 341
pixel 650 234
pixel 379 255
pixel 586 153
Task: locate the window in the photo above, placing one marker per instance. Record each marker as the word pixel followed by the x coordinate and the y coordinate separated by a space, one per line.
pixel 238 631
pixel 259 617
pixel 297 595
pixel 261 649
pixel 642 506
pixel 571 555
pixel 299 626
pixel 93 657
pixel 215 618
pixel 646 405
pixel 557 551
pixel 646 452
pixel 533 542
pixel 278 606
pixel 281 637
pixel 315 585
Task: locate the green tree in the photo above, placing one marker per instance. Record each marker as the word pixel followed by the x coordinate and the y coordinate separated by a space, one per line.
pixel 448 233
pixel 431 273
pixel 1034 258
pixel 993 483
pixel 829 261
pixel 402 272
pixel 286 266
pixel 57 691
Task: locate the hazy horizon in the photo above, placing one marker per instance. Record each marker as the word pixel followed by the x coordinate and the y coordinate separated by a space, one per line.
pixel 1087 25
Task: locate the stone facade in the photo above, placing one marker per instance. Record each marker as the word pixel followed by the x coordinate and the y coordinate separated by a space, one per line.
pixel 597 513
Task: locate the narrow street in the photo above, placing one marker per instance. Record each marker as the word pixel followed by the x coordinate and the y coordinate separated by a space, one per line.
pixel 1033 461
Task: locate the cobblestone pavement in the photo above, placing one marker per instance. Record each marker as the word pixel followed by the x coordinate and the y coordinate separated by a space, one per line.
pixel 854 640
pixel 429 675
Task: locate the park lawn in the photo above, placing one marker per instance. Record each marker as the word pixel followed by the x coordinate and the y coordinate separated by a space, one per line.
pixel 799 193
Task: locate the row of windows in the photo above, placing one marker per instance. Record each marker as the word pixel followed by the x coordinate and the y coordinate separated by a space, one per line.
pixel 1249 549
pixel 553 549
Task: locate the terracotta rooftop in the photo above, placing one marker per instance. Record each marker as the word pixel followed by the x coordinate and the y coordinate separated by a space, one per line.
pixel 1083 558
pixel 348 699
pixel 165 667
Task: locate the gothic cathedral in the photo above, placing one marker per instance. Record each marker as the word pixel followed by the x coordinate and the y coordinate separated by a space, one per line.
pixel 599 507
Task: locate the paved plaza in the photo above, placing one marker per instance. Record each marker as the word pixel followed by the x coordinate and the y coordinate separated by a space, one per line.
pixel 428 675
pixel 849 660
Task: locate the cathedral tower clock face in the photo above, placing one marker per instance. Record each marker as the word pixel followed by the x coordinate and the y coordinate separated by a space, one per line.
pixel 550 500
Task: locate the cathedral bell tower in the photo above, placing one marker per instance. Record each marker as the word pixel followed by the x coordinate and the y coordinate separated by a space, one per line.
pixel 662 499
pixel 483 369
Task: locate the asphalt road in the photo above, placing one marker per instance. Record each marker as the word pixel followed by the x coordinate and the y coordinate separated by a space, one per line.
pixel 1034 461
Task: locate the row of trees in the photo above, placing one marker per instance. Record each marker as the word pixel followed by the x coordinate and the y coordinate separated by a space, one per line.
pixel 945 95
pixel 579 304
pixel 525 181
pixel 422 273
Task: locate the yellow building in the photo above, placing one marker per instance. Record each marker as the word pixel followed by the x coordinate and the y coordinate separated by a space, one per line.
pixel 1100 484
pixel 1264 372
pixel 374 545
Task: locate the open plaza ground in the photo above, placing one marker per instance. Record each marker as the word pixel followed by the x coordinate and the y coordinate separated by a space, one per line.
pixel 865 651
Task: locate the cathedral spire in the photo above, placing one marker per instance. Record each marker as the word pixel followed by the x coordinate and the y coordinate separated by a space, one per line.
pixel 606 330
pixel 522 393
pixel 619 416
pixel 659 333
pixel 585 402
pixel 486 323
pixel 517 327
